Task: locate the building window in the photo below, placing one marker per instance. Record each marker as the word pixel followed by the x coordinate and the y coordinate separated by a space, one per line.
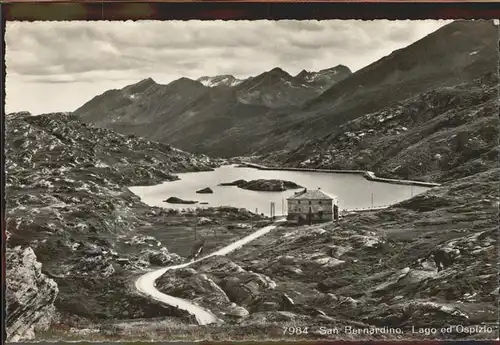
pixel 319 202
pixel 309 202
pixel 298 202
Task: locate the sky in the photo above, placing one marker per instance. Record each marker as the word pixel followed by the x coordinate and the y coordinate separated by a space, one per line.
pixel 58 66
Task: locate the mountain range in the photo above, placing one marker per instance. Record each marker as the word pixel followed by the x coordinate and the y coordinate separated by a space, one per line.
pixel 205 115
pixel 224 116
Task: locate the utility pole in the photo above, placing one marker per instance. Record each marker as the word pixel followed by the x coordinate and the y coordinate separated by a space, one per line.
pixel 273 210
pixel 195 225
pixel 372 200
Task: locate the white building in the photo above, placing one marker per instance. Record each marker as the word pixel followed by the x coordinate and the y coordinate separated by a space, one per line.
pixel 311 206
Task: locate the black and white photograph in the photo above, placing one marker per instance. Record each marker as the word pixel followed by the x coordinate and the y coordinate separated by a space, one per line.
pixel 252 180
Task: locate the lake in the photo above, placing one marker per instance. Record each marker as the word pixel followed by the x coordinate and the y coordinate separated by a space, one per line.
pixel 352 191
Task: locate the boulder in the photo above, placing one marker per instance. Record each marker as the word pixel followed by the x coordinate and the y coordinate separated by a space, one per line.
pixel 204 221
pixel 160 258
pixel 30 295
pixel 237 311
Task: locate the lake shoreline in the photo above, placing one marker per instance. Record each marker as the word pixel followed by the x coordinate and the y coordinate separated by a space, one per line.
pixel 353 190
pixel 369 175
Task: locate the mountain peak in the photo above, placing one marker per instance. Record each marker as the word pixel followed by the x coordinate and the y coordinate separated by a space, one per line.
pixel 140 86
pixel 302 74
pixel 278 71
pixel 336 69
pixel 148 80
pixel 219 80
pixel 274 74
pixel 145 83
pixel 185 81
pixel 325 77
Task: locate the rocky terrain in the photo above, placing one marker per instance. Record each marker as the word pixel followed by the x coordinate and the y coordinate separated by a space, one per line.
pixel 276 111
pixel 30 296
pixel 426 262
pixel 77 235
pixel 272 185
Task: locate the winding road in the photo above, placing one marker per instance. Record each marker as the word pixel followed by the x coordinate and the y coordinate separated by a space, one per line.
pixel 146 283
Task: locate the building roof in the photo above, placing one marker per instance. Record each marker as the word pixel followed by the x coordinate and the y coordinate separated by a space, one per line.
pixel 311 194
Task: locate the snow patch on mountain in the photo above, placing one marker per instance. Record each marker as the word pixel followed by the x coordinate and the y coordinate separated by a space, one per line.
pixel 220 80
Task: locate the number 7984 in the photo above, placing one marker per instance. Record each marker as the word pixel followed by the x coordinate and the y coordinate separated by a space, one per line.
pixel 294 330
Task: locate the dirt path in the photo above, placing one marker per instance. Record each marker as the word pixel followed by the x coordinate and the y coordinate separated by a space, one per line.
pixel 146 283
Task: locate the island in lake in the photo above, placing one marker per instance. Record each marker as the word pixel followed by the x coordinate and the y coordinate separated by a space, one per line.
pixel 263 185
pixel 176 200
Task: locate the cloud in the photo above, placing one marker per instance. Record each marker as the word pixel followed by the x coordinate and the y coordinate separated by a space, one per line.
pixel 70 54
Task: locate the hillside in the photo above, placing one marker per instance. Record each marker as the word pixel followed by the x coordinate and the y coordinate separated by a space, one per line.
pixel 456 53
pixel 439 135
pixel 76 235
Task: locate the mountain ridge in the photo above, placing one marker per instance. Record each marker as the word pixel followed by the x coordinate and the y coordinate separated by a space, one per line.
pixel 277 111
pixel 176 112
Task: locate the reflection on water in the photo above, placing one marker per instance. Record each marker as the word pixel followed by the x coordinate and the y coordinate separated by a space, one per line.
pixel 351 190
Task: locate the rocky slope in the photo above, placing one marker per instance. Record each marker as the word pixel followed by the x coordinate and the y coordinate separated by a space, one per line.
pixel 267 112
pixel 426 262
pixel 66 198
pixel 30 295
pixel 439 135
pixel 208 114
